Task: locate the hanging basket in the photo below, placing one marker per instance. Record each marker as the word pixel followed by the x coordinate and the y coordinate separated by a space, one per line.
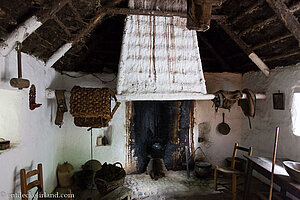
pixel 93 122
pixel 91 102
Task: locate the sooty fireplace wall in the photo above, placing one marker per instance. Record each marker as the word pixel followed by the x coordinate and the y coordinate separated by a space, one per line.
pixel 163 122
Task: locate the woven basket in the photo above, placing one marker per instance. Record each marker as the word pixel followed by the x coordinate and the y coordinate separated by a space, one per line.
pixel 93 122
pixel 91 102
pixel 104 186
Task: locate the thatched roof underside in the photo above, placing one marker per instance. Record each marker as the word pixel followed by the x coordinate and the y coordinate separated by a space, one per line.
pixel 96 37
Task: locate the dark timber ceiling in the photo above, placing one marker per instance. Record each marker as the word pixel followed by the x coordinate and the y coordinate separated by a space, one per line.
pixel 96 37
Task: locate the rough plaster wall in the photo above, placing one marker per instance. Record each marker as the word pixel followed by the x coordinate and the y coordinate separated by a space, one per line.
pixel 159 55
pixel 217 146
pixel 77 140
pixel 262 134
pixel 40 141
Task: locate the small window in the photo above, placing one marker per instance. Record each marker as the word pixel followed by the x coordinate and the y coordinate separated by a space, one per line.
pixel 296 113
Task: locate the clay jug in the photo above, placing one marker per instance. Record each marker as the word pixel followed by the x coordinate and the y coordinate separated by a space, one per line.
pixel 65 174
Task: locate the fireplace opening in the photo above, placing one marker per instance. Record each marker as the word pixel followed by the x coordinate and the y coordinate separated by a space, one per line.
pixel 159 132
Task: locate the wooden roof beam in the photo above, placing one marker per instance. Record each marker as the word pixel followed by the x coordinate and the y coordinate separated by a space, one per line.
pixel 89 27
pixel 66 47
pixel 248 11
pixel 290 21
pixel 295 7
pixel 28 27
pixel 255 59
pixel 129 11
pixel 258 26
pixel 214 52
pixel 99 16
pixel 65 29
pixel 75 12
pixel 271 41
pixel 292 53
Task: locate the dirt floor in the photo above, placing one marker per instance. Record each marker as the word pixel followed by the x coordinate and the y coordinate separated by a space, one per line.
pixel 174 186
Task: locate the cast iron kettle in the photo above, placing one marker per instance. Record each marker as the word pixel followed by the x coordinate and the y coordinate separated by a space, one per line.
pixel 223 128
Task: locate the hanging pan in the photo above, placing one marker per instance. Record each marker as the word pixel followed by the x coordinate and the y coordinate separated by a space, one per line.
pixel 223 128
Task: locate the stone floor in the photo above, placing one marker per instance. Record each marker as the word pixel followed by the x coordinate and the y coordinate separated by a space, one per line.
pixel 174 186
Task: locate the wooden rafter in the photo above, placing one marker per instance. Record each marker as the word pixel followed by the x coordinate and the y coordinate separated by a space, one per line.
pixel 271 41
pixel 89 27
pixel 65 29
pixel 214 52
pixel 295 7
pixel 29 26
pixel 112 11
pixel 66 47
pixel 290 21
pixel 293 53
pixel 259 63
pixel 45 16
pixel 129 11
pixel 85 31
pixel 258 26
pixel 75 12
pixel 247 12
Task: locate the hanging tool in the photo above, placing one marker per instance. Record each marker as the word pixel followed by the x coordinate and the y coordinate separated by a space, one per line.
pixel 19 82
pixel 61 107
pixel 32 96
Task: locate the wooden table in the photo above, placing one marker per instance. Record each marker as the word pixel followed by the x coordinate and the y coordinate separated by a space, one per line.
pixel 281 178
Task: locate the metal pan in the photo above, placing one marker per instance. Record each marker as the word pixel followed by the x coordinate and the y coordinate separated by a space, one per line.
pixel 223 128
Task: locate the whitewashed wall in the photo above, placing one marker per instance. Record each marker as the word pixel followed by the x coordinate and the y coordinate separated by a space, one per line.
pixel 76 140
pixel 262 135
pixel 217 146
pixel 39 141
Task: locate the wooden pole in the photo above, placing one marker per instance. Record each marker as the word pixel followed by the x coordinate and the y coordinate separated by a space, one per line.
pixel 273 163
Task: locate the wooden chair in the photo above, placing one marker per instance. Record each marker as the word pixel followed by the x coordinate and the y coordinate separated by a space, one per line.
pixel 25 187
pixel 232 171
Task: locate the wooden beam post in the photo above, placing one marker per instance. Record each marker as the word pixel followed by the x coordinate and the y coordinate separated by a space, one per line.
pixel 259 63
pixel 286 16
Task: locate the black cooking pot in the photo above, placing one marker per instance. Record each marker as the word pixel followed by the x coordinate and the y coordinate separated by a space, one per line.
pixel 157 151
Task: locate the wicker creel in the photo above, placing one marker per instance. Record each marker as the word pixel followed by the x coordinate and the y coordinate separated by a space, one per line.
pixel 109 177
pixel 93 122
pixel 91 102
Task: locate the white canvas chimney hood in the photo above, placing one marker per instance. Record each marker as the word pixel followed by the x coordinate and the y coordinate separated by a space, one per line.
pixel 160 59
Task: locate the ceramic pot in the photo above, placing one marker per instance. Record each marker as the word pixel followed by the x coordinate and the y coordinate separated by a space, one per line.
pixel 65 174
